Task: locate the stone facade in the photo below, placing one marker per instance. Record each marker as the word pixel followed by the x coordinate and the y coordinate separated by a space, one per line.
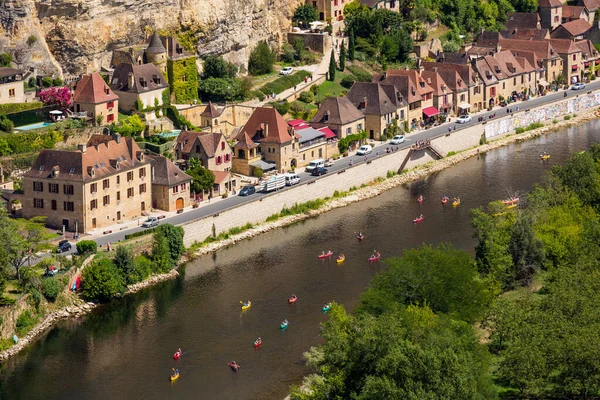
pixel 12 89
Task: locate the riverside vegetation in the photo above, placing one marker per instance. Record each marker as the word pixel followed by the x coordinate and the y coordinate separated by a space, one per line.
pixel 518 321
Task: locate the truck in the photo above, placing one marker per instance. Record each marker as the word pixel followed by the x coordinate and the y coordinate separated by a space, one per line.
pixel 273 183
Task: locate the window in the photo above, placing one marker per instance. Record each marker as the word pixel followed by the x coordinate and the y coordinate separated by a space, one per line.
pixel 219 158
pixel 130 176
pixel 401 117
pixel 38 187
pixel 53 187
pixel 175 189
pixel 68 189
pixel 142 172
pixel 53 204
pixel 38 203
pixel 349 131
pixel 522 79
pixel 118 180
pixel 106 200
pixel 93 204
pixel 129 193
pixel 222 145
pixel 69 206
pixel 462 97
pixel 110 104
pixel 182 187
pixel 105 184
pixel 11 92
pixel 492 92
pixel 359 126
pixel 93 188
pixel 574 57
pixel 503 85
pixel 110 117
pixel 142 188
pixel 514 81
pixel 227 157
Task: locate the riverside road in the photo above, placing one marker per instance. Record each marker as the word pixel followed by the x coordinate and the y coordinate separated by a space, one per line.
pixel 207 209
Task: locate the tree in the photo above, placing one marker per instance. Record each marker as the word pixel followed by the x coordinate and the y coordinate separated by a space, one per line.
pixel 305 14
pixel 57 96
pixel 87 247
pixel 174 236
pixel 6 125
pixel 351 45
pixel 21 239
pixel 299 49
pixel 51 288
pixel 124 262
pixel 5 59
pixel 580 174
pixel 101 281
pixel 220 89
pixel 217 67
pixel 261 60
pixel 161 255
pixel 131 126
pixel 332 66
pixel 342 60
pixel 203 179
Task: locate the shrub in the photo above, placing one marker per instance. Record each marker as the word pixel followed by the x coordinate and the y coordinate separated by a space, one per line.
pixel 5 59
pixel 140 233
pixel 282 107
pixel 360 74
pixel 31 40
pixel 46 81
pixel 25 322
pixel 307 97
pixel 124 262
pixel 519 130
pixel 51 288
pixel 261 60
pixel 6 125
pixel 257 172
pixel 57 96
pixel 285 82
pixel 87 247
pixel 347 81
pixel 174 235
pixel 567 117
pixel 142 268
pixel 101 281
pixel 451 153
pixel 554 121
pixel 390 174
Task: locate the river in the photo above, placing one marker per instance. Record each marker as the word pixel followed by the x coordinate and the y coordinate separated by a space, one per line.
pixel 125 349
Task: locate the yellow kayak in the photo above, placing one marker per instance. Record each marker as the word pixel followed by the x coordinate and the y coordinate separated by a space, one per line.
pixel 174 377
pixel 246 306
pixel 341 260
pixel 547 156
pixel 455 203
pixel 512 206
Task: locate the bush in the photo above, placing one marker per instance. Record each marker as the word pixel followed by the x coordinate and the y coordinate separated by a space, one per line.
pixel 87 247
pixel 25 323
pixel 285 82
pixel 360 74
pixel 31 40
pixel 307 97
pixel 257 172
pixel 6 125
pixel 18 107
pixel 261 60
pixel 344 143
pixel 5 59
pixel 347 81
pixel 124 262
pixel 174 235
pixel 47 81
pixel 140 233
pixel 101 281
pixel 282 107
pixel 519 130
pixel 567 117
pixel 51 288
pixel 142 267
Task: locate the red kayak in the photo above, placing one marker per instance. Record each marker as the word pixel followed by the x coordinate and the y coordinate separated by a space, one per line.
pixel 420 199
pixel 360 237
pixel 445 200
pixel 292 299
pixel 234 366
pixel 177 355
pixel 417 220
pixel 375 257
pixel 257 344
pixel 326 255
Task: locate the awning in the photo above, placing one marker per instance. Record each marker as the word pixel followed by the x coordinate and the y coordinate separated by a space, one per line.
pixel 430 111
pixel 574 67
pixel 55 112
pixel 265 166
pixel 586 64
pixel 597 62
pixel 464 106
pixel 328 132
pixel 543 83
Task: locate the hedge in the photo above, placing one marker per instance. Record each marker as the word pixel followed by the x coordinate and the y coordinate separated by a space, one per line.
pixel 18 107
pixel 140 233
pixel 27 142
pixel 285 82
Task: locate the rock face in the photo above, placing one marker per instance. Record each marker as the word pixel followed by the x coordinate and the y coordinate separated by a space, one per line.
pixel 77 36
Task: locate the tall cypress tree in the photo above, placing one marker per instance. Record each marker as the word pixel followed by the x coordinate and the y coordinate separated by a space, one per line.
pixel 351 45
pixel 332 66
pixel 342 61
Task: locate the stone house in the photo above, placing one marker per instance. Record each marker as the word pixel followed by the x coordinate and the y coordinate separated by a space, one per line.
pixel 312 144
pixel 133 82
pixel 212 149
pixel 591 6
pixel 571 13
pixel 522 20
pixel 590 58
pixel 225 182
pixel 392 5
pixel 578 58
pixel 422 88
pixel 170 185
pixel 340 115
pixel 443 97
pixel 210 117
pixel 409 92
pixel 98 185
pixel 12 86
pixel 329 9
pixel 94 97
pixel 380 103
pixel 578 29
pixel 550 13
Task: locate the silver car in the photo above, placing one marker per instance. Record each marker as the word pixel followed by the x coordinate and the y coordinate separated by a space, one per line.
pixel 151 222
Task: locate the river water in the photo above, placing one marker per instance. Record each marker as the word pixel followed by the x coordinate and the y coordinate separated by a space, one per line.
pixel 125 349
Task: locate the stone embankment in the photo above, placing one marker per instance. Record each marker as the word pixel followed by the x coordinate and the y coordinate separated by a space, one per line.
pixel 153 280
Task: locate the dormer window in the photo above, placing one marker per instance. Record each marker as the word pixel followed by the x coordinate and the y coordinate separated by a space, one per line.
pixel 422 84
pixel 143 82
pixel 106 91
pixel 72 171
pixel 41 167
pixel 179 50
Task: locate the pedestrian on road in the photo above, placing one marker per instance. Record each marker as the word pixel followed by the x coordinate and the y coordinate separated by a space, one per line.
pixel 365 158
pixel 294 88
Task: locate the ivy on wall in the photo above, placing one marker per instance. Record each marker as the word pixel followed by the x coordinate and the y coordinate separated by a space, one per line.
pixel 183 79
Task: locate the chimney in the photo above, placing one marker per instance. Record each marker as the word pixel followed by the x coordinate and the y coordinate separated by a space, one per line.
pixel 152 172
pixel 130 80
pixel 116 137
pixel 82 148
pixel 420 67
pixel 266 129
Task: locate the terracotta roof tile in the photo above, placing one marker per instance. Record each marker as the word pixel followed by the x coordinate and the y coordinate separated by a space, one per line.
pixel 337 111
pixel 435 80
pixel 373 99
pixel 422 87
pixel 266 125
pixel 210 111
pixel 166 173
pixel 564 46
pixel 573 11
pixel 550 3
pixel 522 20
pixel 92 89
pixel 576 27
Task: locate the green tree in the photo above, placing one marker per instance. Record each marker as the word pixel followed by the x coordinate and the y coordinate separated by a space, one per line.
pixel 261 60
pixel 6 125
pixel 21 239
pixel 101 281
pixel 351 45
pixel 203 179
pixel 217 67
pixel 305 14
pixel 5 59
pixel 580 174
pixel 51 288
pixel 124 262
pixel 342 60
pixel 332 67
pixel 132 126
pixel 174 236
pixel 299 49
pixel 161 255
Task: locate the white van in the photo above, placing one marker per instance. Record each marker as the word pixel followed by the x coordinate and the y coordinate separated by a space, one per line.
pixel 291 179
pixel 315 164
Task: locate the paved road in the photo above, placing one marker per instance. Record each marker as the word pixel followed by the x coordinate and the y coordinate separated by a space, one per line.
pixel 222 205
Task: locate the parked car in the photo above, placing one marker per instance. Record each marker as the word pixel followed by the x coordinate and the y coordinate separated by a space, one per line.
pixel 364 150
pixel 247 191
pixel 319 171
pixel 463 119
pixel 286 71
pixel 151 222
pixel 398 139
pixel 315 164
pixel 291 179
pixel 63 246
pixel 578 86
pixel 329 163
pixel 51 270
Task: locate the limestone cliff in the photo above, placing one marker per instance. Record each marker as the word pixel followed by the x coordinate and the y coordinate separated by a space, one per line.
pixel 76 36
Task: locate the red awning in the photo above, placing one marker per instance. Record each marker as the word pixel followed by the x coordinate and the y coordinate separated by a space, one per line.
pixel 574 68
pixel 597 62
pixel 328 132
pixel 586 64
pixel 430 111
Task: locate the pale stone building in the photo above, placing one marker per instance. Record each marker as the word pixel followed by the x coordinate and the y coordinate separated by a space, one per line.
pixel 212 149
pixel 170 185
pixel 12 89
pixel 94 97
pixel 339 115
pixel 133 82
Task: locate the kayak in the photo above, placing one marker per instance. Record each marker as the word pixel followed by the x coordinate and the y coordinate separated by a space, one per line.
pixel 420 199
pixel 360 237
pixel 512 206
pixel 511 200
pixel 498 214
pixel 340 260
pixel 444 200
pixel 417 220
pixel 547 156
pixel 246 306
pixel 257 343
pixel 375 257
pixel 326 307
pixel 326 255
pixel 455 203
pixel 174 377
pixel 234 366
pixel 177 355
pixel 284 325
pixel 292 299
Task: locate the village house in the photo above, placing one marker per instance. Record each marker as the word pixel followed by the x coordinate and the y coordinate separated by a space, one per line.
pixel 408 90
pixel 98 185
pixel 210 116
pixel 471 100
pixel 392 5
pixel 591 7
pixel 417 86
pixel 443 97
pixel 578 58
pixel 312 144
pixel 522 20
pixel 550 13
pixel 211 148
pixel 329 9
pixel 339 115
pixel 380 103
pixel 170 185
pixel 578 29
pixel 138 83
pixel 266 142
pixel 12 86
pixel 572 13
pixel 94 97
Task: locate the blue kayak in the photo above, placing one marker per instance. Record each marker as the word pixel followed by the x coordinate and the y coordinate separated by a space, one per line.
pixel 326 307
pixel 284 325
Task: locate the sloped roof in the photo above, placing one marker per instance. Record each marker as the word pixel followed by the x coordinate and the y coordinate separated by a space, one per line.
pixel 244 142
pixel 564 46
pixel 486 72
pixel 435 80
pixel 371 97
pixel 404 85
pixel 156 46
pixel 221 176
pixel 166 173
pixel 587 48
pixel 576 27
pixel 210 142
pixel 526 34
pixel 186 141
pixel 465 73
pixel 544 49
pixel 590 5
pixel 573 11
pixel 210 111
pixel 266 125
pixel 522 20
pixel 449 75
pixel 488 39
pixel 77 166
pixel 550 3
pixel 92 89
pixel 146 77
pixel 337 111
pixel 422 87
pixel 5 72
